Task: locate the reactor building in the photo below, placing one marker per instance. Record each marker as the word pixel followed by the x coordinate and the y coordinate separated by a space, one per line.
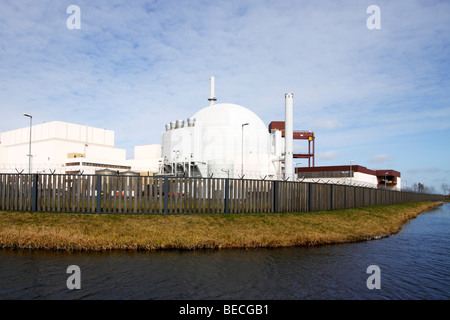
pixel 225 140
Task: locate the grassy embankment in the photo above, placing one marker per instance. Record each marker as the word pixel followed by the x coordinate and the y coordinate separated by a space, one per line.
pixel 66 231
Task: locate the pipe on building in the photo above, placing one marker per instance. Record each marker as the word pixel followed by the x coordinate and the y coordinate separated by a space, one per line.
pixel 191 122
pixel 288 136
pixel 179 124
pixel 212 99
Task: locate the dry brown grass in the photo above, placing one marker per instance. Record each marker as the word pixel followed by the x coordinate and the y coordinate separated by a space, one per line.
pixel 66 231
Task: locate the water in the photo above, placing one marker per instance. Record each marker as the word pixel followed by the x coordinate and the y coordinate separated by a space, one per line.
pixel 414 264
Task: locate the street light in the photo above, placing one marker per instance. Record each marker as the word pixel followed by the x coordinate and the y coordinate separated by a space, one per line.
pixel 242 151
pixel 29 146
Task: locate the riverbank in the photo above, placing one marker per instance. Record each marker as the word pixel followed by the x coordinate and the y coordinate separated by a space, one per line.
pixel 92 232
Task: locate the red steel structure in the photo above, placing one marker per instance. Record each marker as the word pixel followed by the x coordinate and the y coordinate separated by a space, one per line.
pixel 298 135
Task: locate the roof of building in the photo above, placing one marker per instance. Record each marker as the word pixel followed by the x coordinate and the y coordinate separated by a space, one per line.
pixel 354 168
pixel 229 115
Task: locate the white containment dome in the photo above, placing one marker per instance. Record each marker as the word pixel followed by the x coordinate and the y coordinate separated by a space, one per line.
pixel 226 140
pixel 222 140
pixel 235 141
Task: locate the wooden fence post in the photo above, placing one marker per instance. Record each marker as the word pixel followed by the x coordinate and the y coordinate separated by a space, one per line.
pixel 345 196
pixel 99 194
pixel 166 195
pixel 275 196
pixel 309 197
pixel 34 193
pixel 331 197
pixel 227 195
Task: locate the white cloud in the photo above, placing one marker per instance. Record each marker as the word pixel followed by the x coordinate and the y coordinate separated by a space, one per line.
pixel 380 158
pixel 328 155
pixel 430 170
pixel 327 124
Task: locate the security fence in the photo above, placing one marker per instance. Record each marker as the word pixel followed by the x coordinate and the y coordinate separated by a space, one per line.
pixel 176 195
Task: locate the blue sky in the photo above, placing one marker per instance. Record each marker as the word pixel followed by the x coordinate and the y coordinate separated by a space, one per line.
pixel 379 97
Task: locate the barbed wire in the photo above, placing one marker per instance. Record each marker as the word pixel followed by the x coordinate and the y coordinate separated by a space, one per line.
pixel 20 168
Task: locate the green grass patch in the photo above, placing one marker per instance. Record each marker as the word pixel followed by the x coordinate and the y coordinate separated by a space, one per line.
pixel 97 232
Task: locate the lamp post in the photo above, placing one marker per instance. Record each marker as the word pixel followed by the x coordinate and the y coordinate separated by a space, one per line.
pixel 29 145
pixel 242 151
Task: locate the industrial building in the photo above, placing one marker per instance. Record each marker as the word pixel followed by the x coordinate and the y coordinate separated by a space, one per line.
pixel 351 175
pixel 297 135
pixel 61 147
pixel 228 140
pixel 221 140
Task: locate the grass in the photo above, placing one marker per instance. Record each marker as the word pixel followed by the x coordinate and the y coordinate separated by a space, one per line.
pixel 92 232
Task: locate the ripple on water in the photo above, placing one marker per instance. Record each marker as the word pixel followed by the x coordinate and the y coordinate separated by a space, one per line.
pixel 414 265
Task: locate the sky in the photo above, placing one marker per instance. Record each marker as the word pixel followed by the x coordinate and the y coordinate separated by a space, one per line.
pixel 378 98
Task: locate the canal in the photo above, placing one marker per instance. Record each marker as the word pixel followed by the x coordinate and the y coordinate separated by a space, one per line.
pixel 413 264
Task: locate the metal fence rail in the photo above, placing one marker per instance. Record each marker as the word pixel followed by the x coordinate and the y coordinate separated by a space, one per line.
pixel 170 195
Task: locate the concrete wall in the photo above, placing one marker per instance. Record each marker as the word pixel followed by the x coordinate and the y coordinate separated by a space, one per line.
pixel 52 142
pixel 58 130
pixel 146 158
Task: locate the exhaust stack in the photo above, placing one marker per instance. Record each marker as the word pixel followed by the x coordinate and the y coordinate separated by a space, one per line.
pixel 288 136
pixel 212 99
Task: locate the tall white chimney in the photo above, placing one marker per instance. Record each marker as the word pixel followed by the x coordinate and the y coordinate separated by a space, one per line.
pixel 212 99
pixel 288 136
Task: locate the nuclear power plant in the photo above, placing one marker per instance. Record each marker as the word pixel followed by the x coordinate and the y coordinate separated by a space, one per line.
pixel 227 140
pixel 221 140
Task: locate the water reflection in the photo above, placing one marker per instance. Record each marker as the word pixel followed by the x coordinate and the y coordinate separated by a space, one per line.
pixel 414 265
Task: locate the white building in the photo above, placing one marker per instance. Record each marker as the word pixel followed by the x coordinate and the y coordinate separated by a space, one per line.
pixel 222 140
pixel 147 158
pixel 60 147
